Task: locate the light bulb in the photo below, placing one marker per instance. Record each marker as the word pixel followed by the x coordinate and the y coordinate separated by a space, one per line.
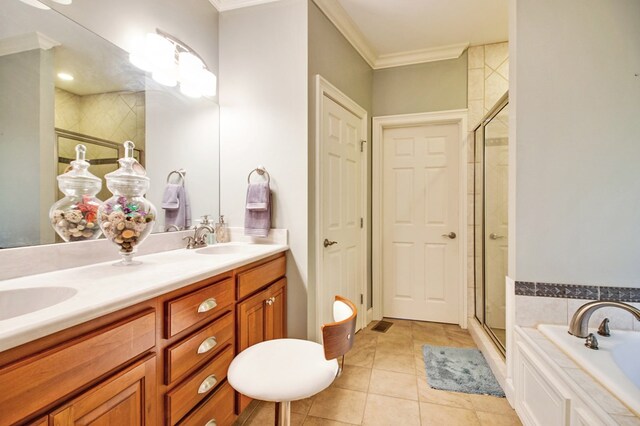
pixel 208 82
pixel 166 77
pixel 160 51
pixel 191 89
pixel 189 66
pixel 65 76
pixel 139 56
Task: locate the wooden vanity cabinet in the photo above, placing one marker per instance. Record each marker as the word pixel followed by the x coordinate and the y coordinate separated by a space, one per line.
pixel 160 362
pixel 262 315
pixel 125 399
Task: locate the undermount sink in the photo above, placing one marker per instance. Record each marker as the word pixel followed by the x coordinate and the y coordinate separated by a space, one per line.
pixel 22 301
pixel 226 249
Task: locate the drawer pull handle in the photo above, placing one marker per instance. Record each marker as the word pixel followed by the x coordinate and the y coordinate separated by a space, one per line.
pixel 208 344
pixel 207 305
pixel 211 422
pixel 207 384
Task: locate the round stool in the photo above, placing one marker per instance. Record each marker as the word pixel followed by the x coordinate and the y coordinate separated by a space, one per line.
pixel 282 370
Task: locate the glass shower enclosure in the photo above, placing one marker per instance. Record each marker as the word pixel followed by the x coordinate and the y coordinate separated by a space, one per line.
pixel 490 220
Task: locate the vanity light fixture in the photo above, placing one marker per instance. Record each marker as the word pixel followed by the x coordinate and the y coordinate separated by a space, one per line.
pixel 65 76
pixel 171 61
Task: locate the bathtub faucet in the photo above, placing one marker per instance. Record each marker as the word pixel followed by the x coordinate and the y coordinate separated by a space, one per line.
pixel 579 325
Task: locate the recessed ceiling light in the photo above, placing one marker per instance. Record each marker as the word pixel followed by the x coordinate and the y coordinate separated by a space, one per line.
pixel 36 4
pixel 65 76
pixel 65 2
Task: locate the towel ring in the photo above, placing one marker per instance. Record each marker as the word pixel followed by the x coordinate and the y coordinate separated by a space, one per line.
pixel 180 172
pixel 261 172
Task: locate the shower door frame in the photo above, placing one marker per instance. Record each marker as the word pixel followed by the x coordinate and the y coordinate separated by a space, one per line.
pixel 497 108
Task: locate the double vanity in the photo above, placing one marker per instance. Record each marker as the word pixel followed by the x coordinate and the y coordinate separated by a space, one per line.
pixel 145 344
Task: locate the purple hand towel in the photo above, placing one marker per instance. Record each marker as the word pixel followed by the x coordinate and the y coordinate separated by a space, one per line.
pixel 257 217
pixel 180 216
pixel 170 199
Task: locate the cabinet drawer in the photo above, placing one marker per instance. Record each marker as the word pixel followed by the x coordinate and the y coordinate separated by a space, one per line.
pixel 198 306
pixel 217 410
pixel 200 346
pixel 42 379
pixel 258 277
pixel 196 388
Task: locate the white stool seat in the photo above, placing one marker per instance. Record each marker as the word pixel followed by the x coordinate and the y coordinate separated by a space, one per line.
pixel 282 370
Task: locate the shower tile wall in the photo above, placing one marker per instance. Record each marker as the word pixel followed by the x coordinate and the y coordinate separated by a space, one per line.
pixel 116 117
pixel 488 80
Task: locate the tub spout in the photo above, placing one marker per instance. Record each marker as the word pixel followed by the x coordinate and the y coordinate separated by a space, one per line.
pixel 579 325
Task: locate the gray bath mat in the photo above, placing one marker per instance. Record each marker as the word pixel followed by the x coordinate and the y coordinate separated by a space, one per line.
pixel 459 370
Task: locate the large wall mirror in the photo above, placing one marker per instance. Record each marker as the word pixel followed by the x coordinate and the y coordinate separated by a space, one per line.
pixel 61 85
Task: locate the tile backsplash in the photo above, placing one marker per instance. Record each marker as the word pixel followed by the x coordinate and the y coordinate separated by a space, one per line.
pixel 549 303
pixel 574 291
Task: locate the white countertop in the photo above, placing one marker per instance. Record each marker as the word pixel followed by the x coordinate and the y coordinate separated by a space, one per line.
pixel 103 288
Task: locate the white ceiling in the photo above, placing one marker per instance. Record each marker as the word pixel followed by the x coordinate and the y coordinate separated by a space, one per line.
pixel 400 32
pixel 97 65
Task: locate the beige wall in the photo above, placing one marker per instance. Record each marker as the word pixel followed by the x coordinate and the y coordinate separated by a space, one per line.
pixel 335 59
pixel 433 86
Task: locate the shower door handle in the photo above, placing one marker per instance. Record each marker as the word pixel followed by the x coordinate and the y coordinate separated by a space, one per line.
pixel 494 236
pixel 451 235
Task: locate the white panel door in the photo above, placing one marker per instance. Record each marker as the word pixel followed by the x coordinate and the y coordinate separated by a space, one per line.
pixel 420 223
pixel 341 205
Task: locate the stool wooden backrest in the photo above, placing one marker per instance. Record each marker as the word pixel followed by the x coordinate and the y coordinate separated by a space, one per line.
pixel 338 336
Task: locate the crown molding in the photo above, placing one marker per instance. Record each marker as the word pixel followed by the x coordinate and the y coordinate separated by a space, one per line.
pixel 343 22
pixel 452 51
pixel 224 5
pixel 26 42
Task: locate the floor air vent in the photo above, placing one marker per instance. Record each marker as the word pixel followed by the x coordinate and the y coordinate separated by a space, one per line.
pixel 382 326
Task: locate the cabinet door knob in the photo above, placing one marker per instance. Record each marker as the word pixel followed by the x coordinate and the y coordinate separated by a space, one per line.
pixel 207 384
pixel 211 422
pixel 208 344
pixel 207 305
pixel 270 301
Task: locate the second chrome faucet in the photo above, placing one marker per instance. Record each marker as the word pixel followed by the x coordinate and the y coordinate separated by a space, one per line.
pixel 579 325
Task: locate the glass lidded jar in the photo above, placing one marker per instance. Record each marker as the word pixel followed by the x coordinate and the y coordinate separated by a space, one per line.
pixel 75 216
pixel 127 218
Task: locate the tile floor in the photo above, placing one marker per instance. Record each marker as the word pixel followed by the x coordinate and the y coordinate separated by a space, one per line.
pixel 384 383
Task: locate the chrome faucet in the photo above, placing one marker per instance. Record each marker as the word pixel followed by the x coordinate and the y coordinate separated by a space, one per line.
pixel 579 325
pixel 201 231
pixel 198 241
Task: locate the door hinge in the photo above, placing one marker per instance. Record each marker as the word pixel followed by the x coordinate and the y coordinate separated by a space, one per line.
pixel 361 299
pixel 362 142
pixel 361 222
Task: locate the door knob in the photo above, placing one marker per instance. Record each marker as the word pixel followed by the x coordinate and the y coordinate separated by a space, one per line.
pixel 451 235
pixel 328 243
pixel 494 236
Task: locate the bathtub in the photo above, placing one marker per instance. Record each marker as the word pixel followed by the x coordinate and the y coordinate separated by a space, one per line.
pixel 616 364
